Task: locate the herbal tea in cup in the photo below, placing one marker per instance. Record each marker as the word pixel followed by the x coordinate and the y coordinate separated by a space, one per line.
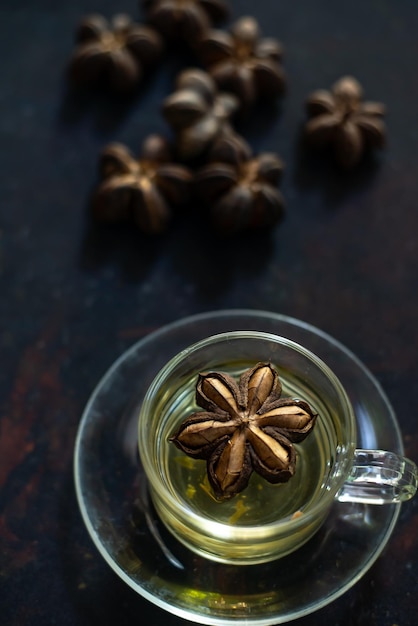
pixel 246 439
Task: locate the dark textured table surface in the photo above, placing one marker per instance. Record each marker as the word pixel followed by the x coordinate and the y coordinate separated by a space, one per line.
pixel 74 295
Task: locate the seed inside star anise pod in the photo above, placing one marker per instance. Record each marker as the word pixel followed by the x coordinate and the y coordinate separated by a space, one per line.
pixel 340 119
pixel 198 113
pixel 239 189
pixel 243 62
pixel 115 53
pixel 142 189
pixel 244 427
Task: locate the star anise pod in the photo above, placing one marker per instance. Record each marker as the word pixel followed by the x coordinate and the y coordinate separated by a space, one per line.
pixel 340 119
pixel 140 189
pixel 244 427
pixel 240 189
pixel 197 112
pixel 185 20
pixel 114 53
pixel 244 63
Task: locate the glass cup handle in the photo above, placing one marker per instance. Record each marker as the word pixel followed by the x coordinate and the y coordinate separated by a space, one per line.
pixel 379 477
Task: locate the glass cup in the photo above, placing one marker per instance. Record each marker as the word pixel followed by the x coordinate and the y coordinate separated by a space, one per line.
pixel 265 521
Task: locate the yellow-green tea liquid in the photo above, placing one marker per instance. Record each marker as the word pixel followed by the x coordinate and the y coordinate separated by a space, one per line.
pixel 261 502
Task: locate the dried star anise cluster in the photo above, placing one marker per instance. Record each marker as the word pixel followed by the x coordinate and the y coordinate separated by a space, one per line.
pixel 143 189
pixel 243 62
pixel 115 53
pixel 198 113
pixel 185 20
pixel 339 118
pixel 244 427
pixel 237 189
pixel 241 67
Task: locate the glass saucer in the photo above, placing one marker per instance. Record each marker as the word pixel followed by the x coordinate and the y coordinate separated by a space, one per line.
pixel 113 499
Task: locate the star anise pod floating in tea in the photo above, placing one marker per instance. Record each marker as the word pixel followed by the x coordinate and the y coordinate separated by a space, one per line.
pixel 142 189
pixel 197 112
pixel 185 20
pixel 243 62
pixel 239 189
pixel 115 53
pixel 341 120
pixel 244 427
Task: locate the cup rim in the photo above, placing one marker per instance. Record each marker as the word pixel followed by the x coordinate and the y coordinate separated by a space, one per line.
pixel 271 528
